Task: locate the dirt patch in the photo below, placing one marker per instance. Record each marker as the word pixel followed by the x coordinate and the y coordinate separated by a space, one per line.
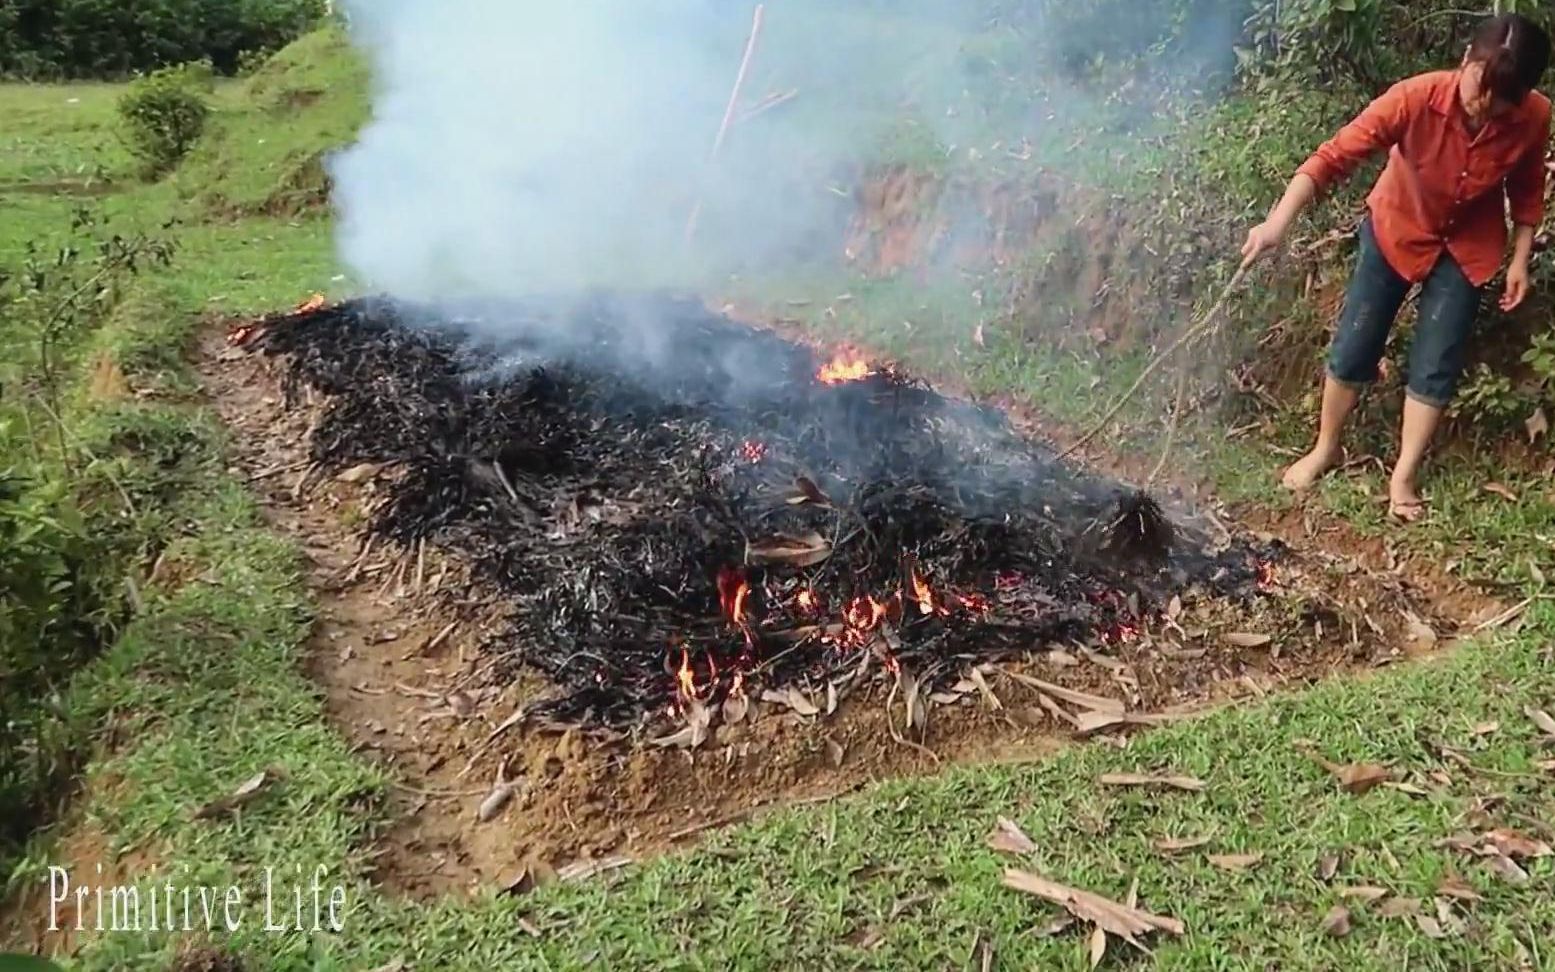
pixel 87 855
pixel 397 651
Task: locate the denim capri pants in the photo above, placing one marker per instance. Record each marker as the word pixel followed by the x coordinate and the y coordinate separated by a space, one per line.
pixel 1448 306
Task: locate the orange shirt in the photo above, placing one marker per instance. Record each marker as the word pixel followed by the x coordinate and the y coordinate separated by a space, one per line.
pixel 1444 186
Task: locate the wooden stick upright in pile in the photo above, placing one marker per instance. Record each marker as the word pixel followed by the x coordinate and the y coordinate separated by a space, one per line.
pixel 734 102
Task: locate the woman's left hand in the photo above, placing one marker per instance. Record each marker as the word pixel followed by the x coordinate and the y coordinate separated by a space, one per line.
pixel 1516 286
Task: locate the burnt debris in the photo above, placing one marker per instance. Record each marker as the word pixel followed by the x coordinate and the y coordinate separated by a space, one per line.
pixel 681 507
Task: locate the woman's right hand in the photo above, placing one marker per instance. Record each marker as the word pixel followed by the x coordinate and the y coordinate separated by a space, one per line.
pixel 1262 240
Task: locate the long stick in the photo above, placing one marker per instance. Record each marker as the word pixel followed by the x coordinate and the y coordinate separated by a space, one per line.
pixel 1198 328
pixel 734 102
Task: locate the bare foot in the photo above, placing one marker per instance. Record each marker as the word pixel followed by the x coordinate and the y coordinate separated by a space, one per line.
pixel 1306 471
pixel 1404 502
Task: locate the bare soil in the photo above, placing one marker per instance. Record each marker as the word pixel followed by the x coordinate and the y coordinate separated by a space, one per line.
pixel 433 712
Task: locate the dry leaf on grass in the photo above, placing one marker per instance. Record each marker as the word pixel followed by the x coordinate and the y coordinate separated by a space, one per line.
pixel 1500 490
pixel 1453 886
pixel 248 791
pixel 1234 862
pixel 1399 907
pixel 1110 916
pixel 1098 946
pixel 805 550
pixel 1327 867
pixel 1176 845
pixel 1516 845
pixel 1007 838
pixel 1364 892
pixel 1245 639
pixel 582 870
pixel 1543 720
pixel 1142 779
pixel 1429 926
pixel 1507 869
pixel 1357 778
pixel 1448 918
pixel 1336 923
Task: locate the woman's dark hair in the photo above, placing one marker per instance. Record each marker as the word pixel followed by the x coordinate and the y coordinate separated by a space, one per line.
pixel 1515 52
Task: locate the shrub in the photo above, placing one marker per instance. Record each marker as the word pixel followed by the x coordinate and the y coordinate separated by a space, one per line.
pixel 112 38
pixel 164 114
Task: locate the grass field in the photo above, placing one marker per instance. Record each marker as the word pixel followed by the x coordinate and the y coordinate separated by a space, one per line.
pixel 203 688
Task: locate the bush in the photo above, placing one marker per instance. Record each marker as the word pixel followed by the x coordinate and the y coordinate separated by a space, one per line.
pixel 164 114
pixel 114 38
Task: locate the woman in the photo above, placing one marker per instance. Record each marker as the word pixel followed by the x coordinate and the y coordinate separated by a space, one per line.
pixel 1465 150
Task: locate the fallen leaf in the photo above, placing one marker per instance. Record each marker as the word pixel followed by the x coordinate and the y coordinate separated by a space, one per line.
pixel 834 751
pixel 736 707
pixel 1399 907
pixel 1175 845
pixel 492 805
pixel 1517 845
pixel 1429 926
pixel 1448 918
pixel 582 870
pixel 1007 838
pixel 1418 631
pixel 246 793
pixel 1358 778
pixel 793 698
pixel 1108 915
pixel 1543 720
pixel 1098 947
pixel 1453 886
pixel 1096 703
pixel 906 904
pixel 831 697
pixel 1363 892
pixel 1507 869
pixel 1486 728
pixel 358 473
pixel 1500 490
pixel 1336 924
pixel 805 550
pixel 808 492
pixel 1234 862
pixel 987 692
pixel 1139 779
pixel 1535 573
pixel 1244 639
pixel 1174 607
pixel 1327 867
pixel 1537 424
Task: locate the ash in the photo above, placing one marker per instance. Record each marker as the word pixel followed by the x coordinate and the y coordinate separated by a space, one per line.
pixel 681 507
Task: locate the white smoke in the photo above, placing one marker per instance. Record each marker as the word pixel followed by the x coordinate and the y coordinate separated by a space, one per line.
pixel 520 147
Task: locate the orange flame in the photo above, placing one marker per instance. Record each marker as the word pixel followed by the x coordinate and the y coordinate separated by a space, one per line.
pixel 733 593
pixel 923 594
pixel 807 600
pixel 847 365
pixel 686 677
pixel 316 302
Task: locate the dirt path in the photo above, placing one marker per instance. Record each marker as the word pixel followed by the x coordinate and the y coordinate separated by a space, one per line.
pixel 397 651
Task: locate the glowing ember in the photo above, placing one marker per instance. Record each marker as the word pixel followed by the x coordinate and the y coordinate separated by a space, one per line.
pixel 806 601
pixel 863 613
pixel 316 302
pixel 924 595
pixel 975 602
pixel 752 451
pixel 848 365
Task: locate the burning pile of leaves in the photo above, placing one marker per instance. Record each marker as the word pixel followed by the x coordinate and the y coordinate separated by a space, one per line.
pixel 684 509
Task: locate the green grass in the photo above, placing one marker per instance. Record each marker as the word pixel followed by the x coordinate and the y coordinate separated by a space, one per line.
pixel 203 688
